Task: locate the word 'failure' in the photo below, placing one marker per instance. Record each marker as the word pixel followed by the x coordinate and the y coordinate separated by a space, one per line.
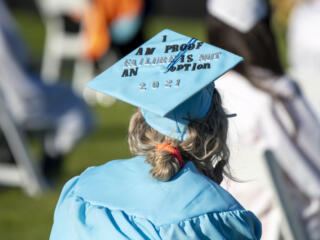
pixel 166 60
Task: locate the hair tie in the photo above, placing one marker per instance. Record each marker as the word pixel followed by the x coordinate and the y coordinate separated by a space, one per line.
pixel 174 151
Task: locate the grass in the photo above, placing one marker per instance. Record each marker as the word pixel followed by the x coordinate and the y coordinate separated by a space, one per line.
pixel 22 217
pixel 188 26
pixel 32 31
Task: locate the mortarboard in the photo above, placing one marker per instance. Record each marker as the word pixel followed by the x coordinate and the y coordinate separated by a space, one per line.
pixel 242 15
pixel 170 78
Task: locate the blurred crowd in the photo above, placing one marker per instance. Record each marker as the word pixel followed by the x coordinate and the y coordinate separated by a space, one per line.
pixel 277 109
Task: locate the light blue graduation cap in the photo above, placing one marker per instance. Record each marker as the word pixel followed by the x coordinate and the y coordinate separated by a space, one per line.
pixel 170 78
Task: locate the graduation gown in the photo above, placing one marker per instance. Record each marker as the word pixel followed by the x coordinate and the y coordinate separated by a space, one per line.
pixel 121 200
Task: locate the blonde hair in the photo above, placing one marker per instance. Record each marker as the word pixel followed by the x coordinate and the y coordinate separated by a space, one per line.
pixel 205 144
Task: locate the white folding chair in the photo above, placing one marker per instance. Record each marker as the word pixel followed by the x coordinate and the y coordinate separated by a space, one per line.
pixel 24 172
pixel 60 44
pixel 291 228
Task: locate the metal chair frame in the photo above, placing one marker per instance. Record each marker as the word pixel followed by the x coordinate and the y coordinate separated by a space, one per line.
pixel 292 228
pixel 24 172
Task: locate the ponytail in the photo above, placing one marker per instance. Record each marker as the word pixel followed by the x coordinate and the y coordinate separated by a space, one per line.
pixel 205 145
pixel 166 162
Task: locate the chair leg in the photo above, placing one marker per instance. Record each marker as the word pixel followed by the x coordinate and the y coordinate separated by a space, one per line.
pixel 24 173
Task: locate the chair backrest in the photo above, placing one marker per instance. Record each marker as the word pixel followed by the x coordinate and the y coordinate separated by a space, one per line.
pixel 61 44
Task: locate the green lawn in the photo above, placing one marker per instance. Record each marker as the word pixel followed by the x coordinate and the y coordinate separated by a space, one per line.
pixel 22 217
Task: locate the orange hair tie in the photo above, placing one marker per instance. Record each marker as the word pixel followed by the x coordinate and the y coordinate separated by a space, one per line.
pixel 167 147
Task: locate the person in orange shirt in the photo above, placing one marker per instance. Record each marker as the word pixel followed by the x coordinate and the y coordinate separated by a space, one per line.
pixel 106 21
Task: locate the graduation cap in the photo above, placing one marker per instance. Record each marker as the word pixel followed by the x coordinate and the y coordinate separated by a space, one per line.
pixel 242 15
pixel 170 78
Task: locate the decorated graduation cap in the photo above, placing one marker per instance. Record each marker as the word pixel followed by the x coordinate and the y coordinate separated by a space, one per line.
pixel 170 78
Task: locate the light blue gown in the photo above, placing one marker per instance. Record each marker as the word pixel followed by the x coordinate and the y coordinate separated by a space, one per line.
pixel 121 200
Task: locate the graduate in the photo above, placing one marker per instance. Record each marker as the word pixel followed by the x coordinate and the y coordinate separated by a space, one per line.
pixel 170 188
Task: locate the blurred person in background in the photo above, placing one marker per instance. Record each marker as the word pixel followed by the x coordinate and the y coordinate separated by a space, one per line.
pixel 111 29
pixel 105 23
pixel 52 110
pixel 272 114
pixel 112 22
pixel 304 48
pixel 108 29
